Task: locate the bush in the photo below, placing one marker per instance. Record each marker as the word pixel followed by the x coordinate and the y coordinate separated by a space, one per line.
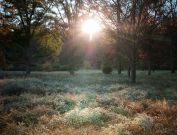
pixel 56 67
pixel 107 69
pixel 68 68
pixel 63 68
pixel 71 71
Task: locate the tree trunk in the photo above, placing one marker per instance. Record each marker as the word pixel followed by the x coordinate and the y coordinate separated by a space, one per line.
pixel 172 61
pixel 28 55
pixel 173 70
pixel 149 68
pixel 133 71
pixel 71 72
pixel 134 44
pixel 128 71
pixel 2 63
pixel 28 70
pixel 72 68
pixel 133 64
pixel 1 74
pixel 119 68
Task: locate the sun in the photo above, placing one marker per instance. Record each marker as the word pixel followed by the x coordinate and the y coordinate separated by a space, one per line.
pixel 91 27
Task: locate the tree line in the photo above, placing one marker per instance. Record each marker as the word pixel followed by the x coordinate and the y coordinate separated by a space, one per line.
pixel 136 33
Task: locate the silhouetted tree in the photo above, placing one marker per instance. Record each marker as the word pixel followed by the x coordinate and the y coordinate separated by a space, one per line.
pixel 128 19
pixel 170 26
pixel 29 14
pixel 68 21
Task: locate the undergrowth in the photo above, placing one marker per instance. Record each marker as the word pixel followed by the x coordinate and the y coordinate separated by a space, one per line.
pixel 88 103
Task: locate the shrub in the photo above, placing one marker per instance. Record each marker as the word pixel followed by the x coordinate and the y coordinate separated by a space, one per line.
pixel 47 67
pixel 56 67
pixel 63 67
pixel 71 71
pixel 68 68
pixel 107 69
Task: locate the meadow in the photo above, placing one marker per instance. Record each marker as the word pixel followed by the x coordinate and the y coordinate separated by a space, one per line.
pixel 88 103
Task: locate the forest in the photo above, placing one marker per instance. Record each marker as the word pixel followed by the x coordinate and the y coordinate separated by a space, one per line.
pixel 88 67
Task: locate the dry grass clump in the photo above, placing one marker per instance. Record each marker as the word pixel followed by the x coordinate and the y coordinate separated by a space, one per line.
pixel 130 93
pixel 105 101
pixel 92 104
pixel 115 105
pixel 144 121
pixel 16 102
pixel 140 125
pixel 164 114
pixel 77 117
pixel 165 117
pixel 56 101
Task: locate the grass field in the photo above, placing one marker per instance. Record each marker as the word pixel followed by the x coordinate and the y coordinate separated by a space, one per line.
pixel 88 103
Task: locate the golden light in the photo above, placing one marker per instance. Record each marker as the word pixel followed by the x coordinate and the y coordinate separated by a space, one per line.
pixel 91 27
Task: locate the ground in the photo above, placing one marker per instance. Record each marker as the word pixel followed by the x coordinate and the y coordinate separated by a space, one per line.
pixel 88 103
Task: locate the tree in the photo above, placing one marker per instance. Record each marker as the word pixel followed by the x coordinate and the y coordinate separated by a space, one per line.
pixel 45 48
pixel 6 14
pixel 29 14
pixel 68 19
pixel 170 26
pixel 129 18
